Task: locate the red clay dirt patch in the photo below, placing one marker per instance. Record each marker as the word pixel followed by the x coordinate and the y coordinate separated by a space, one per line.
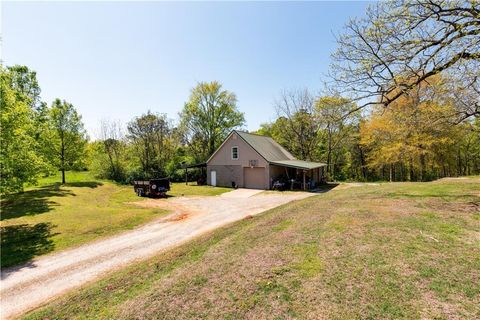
pixel 179 212
pixel 178 217
pixel 150 203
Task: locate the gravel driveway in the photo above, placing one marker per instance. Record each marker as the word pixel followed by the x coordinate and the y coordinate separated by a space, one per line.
pixel 28 286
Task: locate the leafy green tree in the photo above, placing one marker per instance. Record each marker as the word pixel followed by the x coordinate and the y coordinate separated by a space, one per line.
pixel 153 141
pixel 266 129
pixel 19 159
pixel 315 129
pixel 410 135
pixel 209 115
pixel 279 130
pixel 334 128
pixel 465 155
pixel 356 167
pixel 175 167
pixel 24 82
pixel 65 138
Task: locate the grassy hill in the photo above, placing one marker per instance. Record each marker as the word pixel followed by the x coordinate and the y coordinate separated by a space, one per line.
pixel 51 217
pixel 399 250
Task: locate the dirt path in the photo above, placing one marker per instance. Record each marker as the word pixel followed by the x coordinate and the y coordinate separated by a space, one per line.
pixel 26 287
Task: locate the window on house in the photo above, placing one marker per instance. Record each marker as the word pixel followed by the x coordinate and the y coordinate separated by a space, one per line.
pixel 234 153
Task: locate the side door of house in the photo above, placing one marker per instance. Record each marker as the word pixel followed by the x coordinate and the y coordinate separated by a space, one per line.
pixel 213 178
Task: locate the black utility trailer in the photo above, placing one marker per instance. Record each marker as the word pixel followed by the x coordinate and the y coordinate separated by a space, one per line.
pixel 152 188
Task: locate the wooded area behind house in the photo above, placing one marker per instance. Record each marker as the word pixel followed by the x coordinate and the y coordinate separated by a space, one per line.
pixel 401 104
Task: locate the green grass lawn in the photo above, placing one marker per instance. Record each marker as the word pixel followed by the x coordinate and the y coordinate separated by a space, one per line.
pixel 392 251
pixel 180 189
pixel 50 217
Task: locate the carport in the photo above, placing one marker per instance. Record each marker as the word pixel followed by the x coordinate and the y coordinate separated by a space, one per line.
pixel 202 166
pixel 306 173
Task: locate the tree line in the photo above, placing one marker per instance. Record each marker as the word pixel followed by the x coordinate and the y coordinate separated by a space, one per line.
pixel 38 140
pixel 402 103
pixel 153 146
pixel 411 140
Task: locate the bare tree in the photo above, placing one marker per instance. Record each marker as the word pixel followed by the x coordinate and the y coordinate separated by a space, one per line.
pixel 464 93
pixel 113 137
pixel 400 44
pixel 297 107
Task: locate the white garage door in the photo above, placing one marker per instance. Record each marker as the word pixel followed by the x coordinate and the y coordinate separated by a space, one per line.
pixel 254 178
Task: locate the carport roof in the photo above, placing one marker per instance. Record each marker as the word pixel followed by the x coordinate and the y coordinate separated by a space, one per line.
pixel 299 164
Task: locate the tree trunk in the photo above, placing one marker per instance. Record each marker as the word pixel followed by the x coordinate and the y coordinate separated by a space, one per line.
pixel 304 181
pixel 422 169
pixel 62 158
pixel 363 163
pixel 63 165
pixel 329 157
pixel 459 163
pixel 112 163
pixel 412 173
pixel 333 170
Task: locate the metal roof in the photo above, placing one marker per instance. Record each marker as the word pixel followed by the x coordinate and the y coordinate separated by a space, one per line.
pixel 266 147
pixel 272 152
pixel 299 164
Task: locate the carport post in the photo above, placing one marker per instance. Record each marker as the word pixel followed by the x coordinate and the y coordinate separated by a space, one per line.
pixel 184 165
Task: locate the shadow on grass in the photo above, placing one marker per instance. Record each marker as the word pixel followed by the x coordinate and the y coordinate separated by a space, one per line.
pixel 38 200
pixel 84 184
pixel 22 242
pixel 158 197
pixel 325 187
pixel 319 189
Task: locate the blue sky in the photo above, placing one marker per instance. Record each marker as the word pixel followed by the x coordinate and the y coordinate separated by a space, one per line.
pixel 117 60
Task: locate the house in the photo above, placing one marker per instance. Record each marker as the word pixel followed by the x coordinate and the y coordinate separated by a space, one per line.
pixel 248 160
